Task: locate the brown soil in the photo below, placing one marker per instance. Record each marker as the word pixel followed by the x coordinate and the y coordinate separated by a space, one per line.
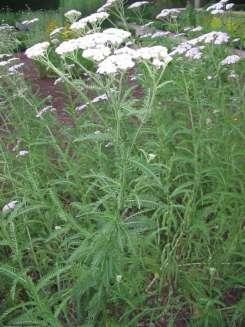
pixel 45 88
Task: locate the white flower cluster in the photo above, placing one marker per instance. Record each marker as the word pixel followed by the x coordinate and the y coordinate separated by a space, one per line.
pixel 158 34
pixel 108 5
pixel 230 60
pixel 194 53
pixel 99 98
pixel 93 19
pixel 97 54
pixel 211 37
pixel 126 58
pixel 112 37
pixel 220 7
pixel 138 4
pixel 115 63
pixel 191 49
pixel 73 15
pixel 172 13
pixel 29 23
pixel 196 29
pixel 37 50
pixel 157 55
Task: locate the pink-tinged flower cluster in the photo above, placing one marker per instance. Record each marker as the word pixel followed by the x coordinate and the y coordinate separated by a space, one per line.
pixel 230 60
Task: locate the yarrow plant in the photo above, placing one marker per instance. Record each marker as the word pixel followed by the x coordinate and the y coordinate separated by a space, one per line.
pixel 73 15
pixel 38 50
pixel 220 7
pixel 230 60
pixel 138 4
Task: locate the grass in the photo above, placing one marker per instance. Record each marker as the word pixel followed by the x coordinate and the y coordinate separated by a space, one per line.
pixel 134 216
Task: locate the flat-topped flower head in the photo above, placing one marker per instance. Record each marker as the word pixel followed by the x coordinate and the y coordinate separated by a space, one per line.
pixel 128 51
pixel 230 60
pixel 157 55
pixel 158 34
pixel 116 36
pixel 220 7
pixel 211 37
pixel 108 5
pixel 73 15
pixel 193 53
pixel 138 4
pixel 196 29
pixel 115 63
pixel 97 54
pixel 37 50
pixel 93 19
pixel 165 13
pixel 112 37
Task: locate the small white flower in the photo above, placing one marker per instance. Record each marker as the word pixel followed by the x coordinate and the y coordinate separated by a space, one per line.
pixel 209 77
pixel 44 110
pixel 119 278
pixel 99 98
pixel 230 60
pixel 217 12
pixel 72 15
pixel 216 6
pixel 57 227
pixel 10 206
pixel 37 50
pixel 22 153
pixel 197 29
pixel 108 5
pixel 194 53
pixel 151 156
pixel 159 34
pixel 138 4
pixel 93 19
pixel 168 13
pixel 229 6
